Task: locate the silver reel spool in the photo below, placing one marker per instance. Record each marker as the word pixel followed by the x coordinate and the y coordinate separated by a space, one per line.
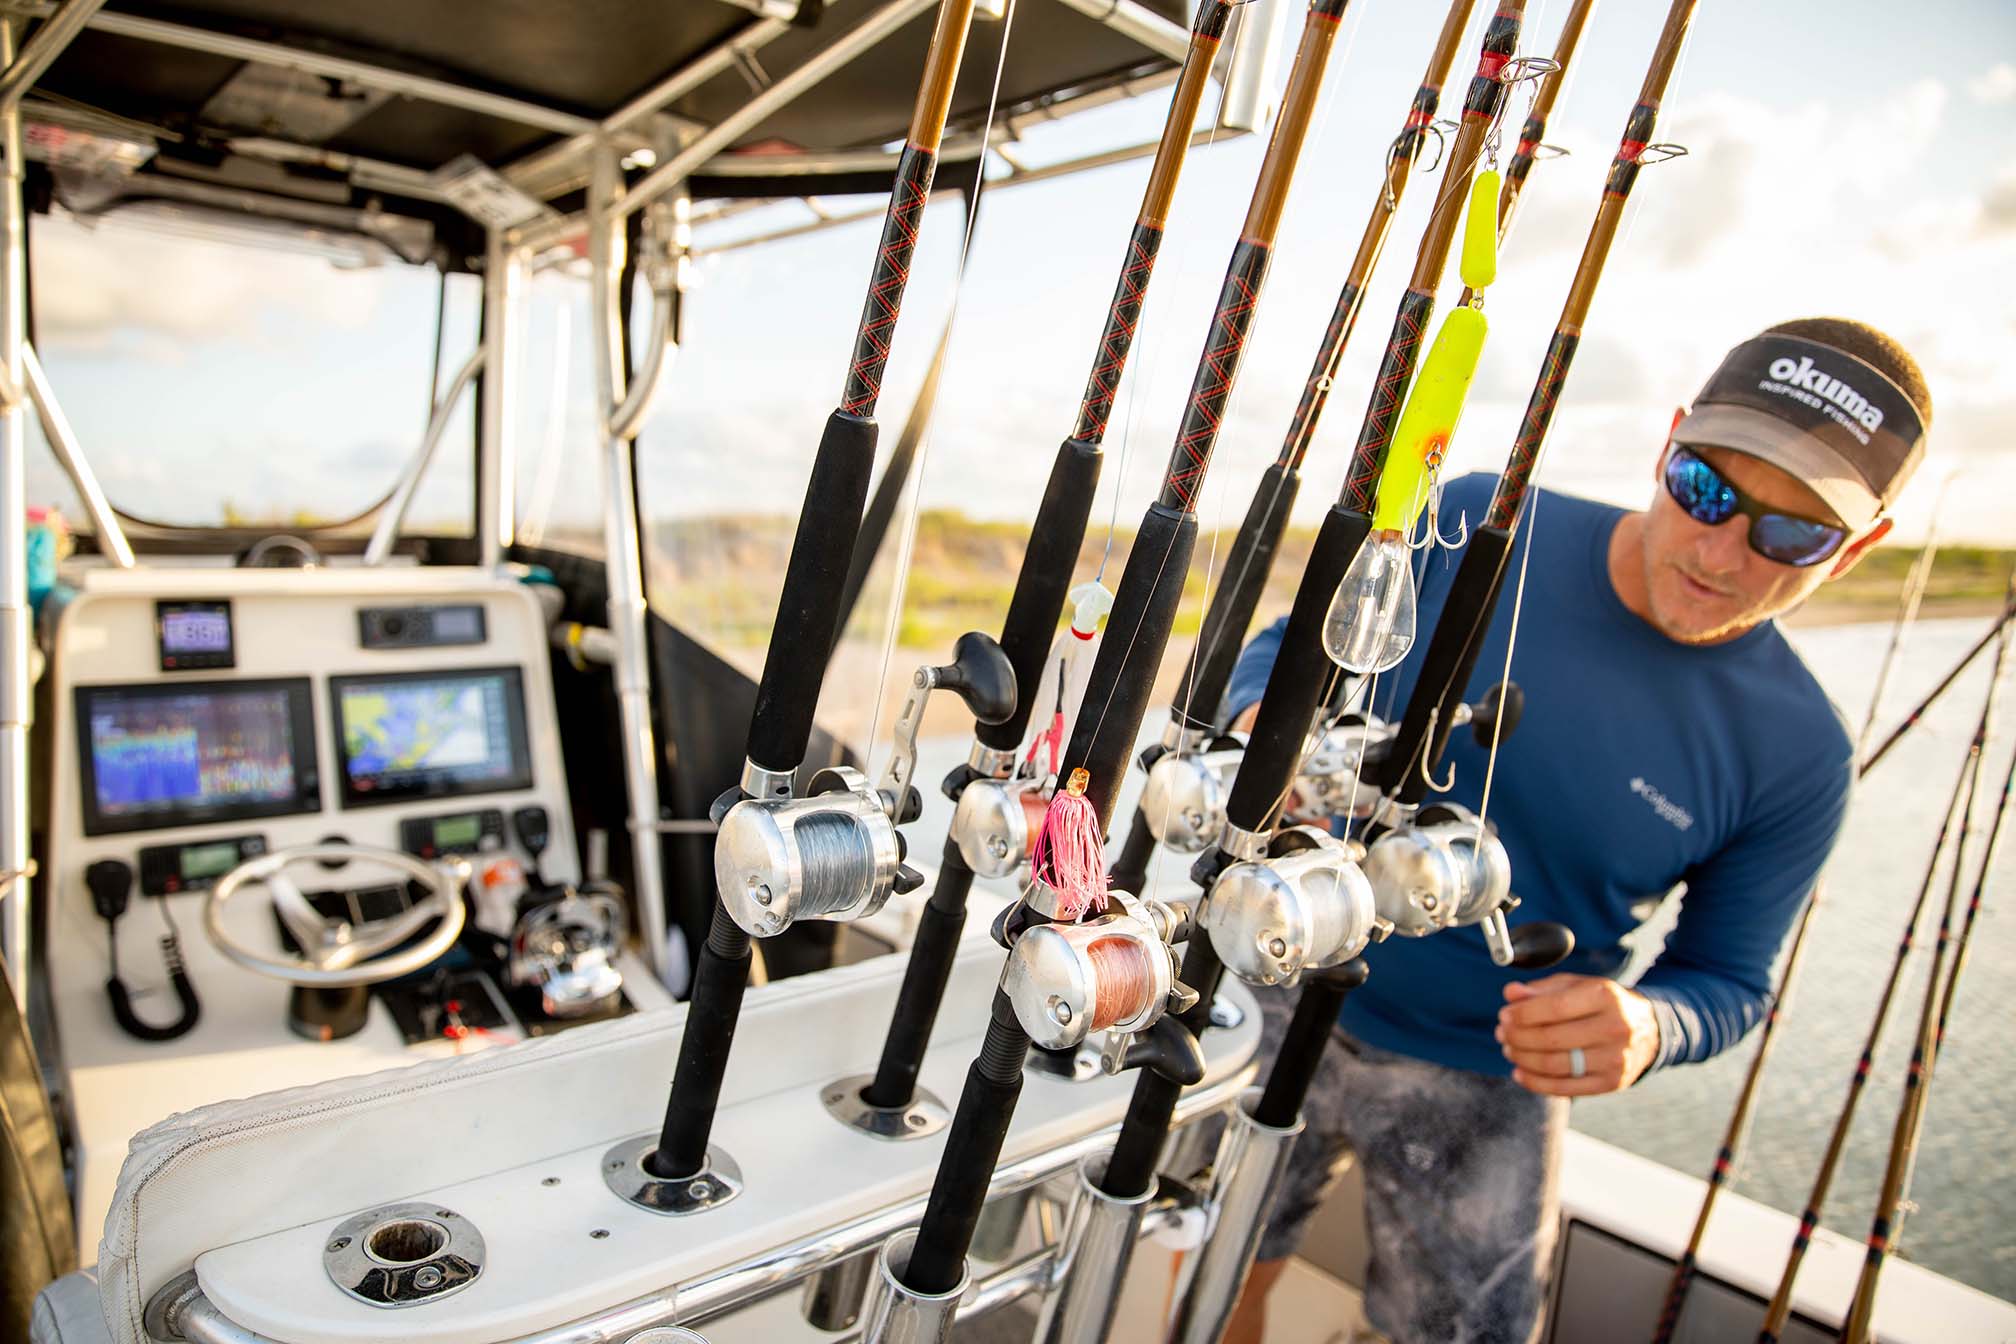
pixel 992 825
pixel 830 855
pixel 1305 908
pixel 1116 974
pixel 1441 874
pixel 1334 780
pixel 1185 794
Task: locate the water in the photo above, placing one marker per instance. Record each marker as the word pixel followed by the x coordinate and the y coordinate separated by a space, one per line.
pixel 1965 1172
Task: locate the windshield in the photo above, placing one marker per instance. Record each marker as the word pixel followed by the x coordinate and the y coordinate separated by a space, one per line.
pixel 211 382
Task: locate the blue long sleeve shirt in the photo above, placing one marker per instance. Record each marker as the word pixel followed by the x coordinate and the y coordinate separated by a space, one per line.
pixel 1639 763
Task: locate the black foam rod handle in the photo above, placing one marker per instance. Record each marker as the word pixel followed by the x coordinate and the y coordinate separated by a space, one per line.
pixel 1302 673
pixel 1446 666
pixel 972 1150
pixel 1242 579
pixel 719 979
pixel 1137 1151
pixel 1040 588
pixel 1302 1049
pixel 809 606
pixel 925 976
pixel 1137 635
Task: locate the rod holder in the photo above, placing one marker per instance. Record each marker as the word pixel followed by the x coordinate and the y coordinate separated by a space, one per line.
pixel 1252 1162
pixel 897 1314
pixel 1000 1224
pixel 847 1102
pixel 834 1296
pixel 1098 1245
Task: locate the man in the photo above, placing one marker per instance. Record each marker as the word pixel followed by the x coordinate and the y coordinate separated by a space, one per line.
pixel 1670 735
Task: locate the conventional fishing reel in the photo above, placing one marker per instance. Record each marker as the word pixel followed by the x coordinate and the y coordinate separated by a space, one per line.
pixel 835 853
pixel 996 820
pixel 1301 904
pixel 1335 779
pixel 1448 869
pixel 1115 973
pixel 1189 780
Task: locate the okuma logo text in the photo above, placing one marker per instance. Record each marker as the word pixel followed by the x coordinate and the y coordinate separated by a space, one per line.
pixel 1668 810
pixel 1800 373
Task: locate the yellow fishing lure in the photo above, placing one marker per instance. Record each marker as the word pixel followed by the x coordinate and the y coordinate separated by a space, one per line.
pixel 1435 402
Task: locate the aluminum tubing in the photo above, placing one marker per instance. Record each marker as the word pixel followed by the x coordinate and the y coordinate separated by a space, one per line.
pixel 898 1314
pixel 1098 1245
pixel 1252 1163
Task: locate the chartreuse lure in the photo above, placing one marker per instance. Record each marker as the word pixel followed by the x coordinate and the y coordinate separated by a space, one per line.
pixel 1371 622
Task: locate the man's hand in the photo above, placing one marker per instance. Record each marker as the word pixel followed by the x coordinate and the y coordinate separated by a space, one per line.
pixel 1543 1020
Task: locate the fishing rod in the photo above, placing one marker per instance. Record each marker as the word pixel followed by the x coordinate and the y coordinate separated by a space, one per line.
pixel 1193 713
pixel 1910 721
pixel 1182 787
pixel 1780 1308
pixel 1454 648
pixel 1907 613
pixel 1734 1135
pixel 1887 1225
pixel 1033 612
pixel 1241 861
pixel 1069 874
pixel 679 1171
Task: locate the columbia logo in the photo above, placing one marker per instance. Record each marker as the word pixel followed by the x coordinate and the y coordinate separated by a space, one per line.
pixel 1667 809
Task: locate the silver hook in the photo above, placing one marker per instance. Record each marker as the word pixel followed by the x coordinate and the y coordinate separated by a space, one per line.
pixel 1440 129
pixel 1435 530
pixel 1421 766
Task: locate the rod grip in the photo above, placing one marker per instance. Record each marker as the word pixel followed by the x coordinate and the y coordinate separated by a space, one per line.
pixel 718 982
pixel 1301 675
pixel 1302 1049
pixel 925 976
pixel 1129 871
pixel 1055 539
pixel 809 606
pixel 1130 1172
pixel 972 1148
pixel 1137 635
pixel 1446 667
pixel 1209 668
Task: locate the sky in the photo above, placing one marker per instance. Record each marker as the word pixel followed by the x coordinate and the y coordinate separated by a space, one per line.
pixel 1847 157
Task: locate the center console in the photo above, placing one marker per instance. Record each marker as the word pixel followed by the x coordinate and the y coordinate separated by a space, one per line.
pixel 204 717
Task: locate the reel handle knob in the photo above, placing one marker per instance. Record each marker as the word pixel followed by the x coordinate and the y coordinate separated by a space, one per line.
pixel 1541 944
pixel 982 675
pixel 1495 716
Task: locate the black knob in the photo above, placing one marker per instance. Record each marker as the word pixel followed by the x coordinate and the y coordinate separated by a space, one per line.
pixel 1493 718
pixel 1541 944
pixel 982 675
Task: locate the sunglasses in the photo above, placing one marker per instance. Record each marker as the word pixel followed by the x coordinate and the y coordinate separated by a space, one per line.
pixel 1707 497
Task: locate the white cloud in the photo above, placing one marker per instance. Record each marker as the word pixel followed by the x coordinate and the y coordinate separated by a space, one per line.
pixel 1994 86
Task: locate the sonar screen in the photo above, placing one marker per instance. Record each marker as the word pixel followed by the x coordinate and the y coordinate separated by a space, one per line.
pixel 156 756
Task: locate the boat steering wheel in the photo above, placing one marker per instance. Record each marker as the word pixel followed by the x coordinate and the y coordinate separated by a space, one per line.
pixel 337 953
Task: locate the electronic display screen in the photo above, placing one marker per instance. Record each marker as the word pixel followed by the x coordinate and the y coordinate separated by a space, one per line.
pixel 431 734
pixel 458 625
pixel 205 861
pixel 458 832
pixel 194 635
pixel 179 754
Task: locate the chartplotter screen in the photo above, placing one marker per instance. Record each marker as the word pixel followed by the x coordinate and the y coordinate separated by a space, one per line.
pixel 183 754
pixel 431 734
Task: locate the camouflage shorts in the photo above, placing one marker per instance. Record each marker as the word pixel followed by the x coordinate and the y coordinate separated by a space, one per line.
pixel 1461 1190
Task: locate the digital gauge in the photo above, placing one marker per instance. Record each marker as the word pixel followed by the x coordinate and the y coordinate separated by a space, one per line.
pixel 194 635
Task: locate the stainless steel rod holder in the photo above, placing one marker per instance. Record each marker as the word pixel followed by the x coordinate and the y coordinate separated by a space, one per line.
pixel 834 1295
pixel 1252 1161
pixel 897 1314
pixel 1098 1246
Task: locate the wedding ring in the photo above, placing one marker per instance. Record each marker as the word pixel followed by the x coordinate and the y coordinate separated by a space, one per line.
pixel 1578 1063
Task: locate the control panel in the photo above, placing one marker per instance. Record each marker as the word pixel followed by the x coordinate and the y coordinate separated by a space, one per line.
pixel 166 870
pixel 427 627
pixel 452 833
